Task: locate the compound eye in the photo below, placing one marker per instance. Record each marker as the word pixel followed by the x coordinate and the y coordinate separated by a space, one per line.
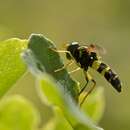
pixel 68 56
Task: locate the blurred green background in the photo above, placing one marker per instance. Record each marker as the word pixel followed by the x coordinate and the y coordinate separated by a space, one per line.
pixel 104 22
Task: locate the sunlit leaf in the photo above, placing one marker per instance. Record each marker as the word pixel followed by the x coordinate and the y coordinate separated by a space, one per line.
pixel 58 89
pixel 11 64
pixel 17 114
pixel 58 121
pixel 53 95
pixel 94 104
pixel 40 58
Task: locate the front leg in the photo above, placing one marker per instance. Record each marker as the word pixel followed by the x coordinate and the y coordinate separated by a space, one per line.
pixel 61 51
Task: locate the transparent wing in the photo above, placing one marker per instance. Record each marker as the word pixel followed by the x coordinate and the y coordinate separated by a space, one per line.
pixel 97 48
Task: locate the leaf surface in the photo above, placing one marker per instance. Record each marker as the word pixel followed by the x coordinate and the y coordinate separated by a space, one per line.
pixel 16 113
pixel 12 66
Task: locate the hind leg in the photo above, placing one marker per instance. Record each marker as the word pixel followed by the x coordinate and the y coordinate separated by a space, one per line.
pixel 88 78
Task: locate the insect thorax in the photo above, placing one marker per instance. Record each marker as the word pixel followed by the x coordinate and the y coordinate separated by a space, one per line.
pixel 84 58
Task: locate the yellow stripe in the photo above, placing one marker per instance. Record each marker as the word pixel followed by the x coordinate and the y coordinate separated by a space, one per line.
pixel 96 64
pixel 105 70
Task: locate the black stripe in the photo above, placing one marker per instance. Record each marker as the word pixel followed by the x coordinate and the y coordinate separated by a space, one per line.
pixel 116 84
pixel 113 79
pixel 109 75
pixel 101 67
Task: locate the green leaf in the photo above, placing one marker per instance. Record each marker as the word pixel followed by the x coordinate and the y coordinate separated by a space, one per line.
pixel 11 64
pixel 94 105
pixel 40 58
pixel 58 121
pixel 49 91
pixel 53 95
pixel 16 113
pixel 60 88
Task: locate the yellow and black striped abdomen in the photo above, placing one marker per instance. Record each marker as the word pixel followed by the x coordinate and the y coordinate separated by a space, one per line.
pixel 109 75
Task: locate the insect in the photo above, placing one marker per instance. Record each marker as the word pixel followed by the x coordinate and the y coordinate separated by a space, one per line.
pixel 87 57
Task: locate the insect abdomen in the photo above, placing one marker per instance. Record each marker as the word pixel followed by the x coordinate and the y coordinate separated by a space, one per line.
pixel 109 75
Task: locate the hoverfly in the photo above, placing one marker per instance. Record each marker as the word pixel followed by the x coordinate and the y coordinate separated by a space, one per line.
pixel 87 57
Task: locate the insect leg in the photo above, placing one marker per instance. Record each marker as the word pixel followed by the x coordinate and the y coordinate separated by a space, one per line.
pixel 86 77
pixel 74 70
pixel 91 89
pixel 65 66
pixel 61 51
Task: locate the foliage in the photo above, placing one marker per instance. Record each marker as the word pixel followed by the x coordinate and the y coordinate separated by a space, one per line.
pixel 17 114
pixel 11 65
pixel 56 89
